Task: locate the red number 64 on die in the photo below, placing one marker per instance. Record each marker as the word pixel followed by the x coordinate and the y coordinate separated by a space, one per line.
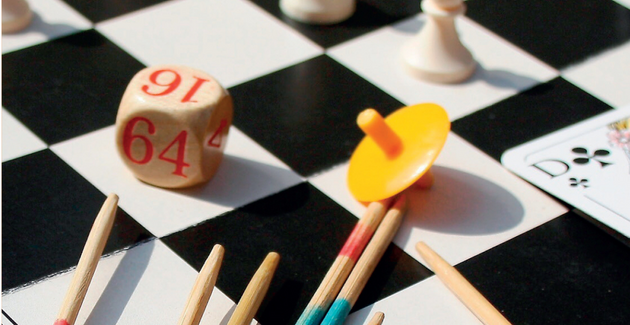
pixel 172 126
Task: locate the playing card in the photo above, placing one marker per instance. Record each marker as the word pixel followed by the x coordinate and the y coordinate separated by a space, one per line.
pixel 586 165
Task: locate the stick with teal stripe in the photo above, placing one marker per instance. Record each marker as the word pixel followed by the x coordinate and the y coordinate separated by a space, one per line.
pixel 343 264
pixel 367 263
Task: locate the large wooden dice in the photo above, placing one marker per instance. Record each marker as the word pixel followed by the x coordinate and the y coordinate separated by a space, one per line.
pixel 172 126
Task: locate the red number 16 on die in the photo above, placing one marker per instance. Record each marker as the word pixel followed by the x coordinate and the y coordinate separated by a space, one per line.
pixel 172 126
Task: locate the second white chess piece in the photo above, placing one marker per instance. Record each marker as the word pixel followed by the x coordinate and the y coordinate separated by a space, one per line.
pixel 321 12
pixel 436 53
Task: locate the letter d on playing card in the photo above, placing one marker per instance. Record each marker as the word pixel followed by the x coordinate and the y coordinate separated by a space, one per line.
pixel 552 167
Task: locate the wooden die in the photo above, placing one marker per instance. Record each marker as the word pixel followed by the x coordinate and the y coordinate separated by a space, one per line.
pixel 172 126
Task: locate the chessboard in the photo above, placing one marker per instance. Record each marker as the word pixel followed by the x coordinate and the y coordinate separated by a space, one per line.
pixel 297 89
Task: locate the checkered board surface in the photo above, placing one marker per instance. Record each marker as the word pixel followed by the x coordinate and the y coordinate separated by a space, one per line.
pixel 543 65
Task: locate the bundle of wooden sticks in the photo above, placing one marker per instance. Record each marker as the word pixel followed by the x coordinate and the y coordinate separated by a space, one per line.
pixel 332 301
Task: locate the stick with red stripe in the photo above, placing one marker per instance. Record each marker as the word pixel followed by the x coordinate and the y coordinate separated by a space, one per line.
pixel 366 264
pixel 339 271
pixel 87 262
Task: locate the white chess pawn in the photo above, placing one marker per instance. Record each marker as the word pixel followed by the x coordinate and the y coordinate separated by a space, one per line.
pixel 16 15
pixel 436 54
pixel 323 12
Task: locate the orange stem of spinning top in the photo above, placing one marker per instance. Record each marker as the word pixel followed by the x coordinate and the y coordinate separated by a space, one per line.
pixel 374 126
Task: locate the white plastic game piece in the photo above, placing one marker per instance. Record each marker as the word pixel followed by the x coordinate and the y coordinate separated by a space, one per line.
pixel 436 53
pixel 323 12
pixel 16 15
pixel 172 126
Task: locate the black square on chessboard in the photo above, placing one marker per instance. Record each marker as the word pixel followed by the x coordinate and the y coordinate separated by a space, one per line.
pixel 308 230
pixel 370 15
pixel 541 110
pixel 560 33
pixel 306 114
pixel 44 232
pixel 99 10
pixel 67 87
pixel 563 272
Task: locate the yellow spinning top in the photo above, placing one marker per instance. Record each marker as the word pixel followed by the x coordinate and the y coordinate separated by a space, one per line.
pixel 396 151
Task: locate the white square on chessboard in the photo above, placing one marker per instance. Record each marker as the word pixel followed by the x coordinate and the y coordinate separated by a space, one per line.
pixel 234 41
pixel 503 69
pixel 148 284
pixel 51 19
pixel 624 2
pixel 17 140
pixel 474 204
pixel 429 300
pixel 247 173
pixel 605 76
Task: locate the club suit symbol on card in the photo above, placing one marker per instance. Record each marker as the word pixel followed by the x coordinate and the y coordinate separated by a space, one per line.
pixel 587 158
pixel 578 182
